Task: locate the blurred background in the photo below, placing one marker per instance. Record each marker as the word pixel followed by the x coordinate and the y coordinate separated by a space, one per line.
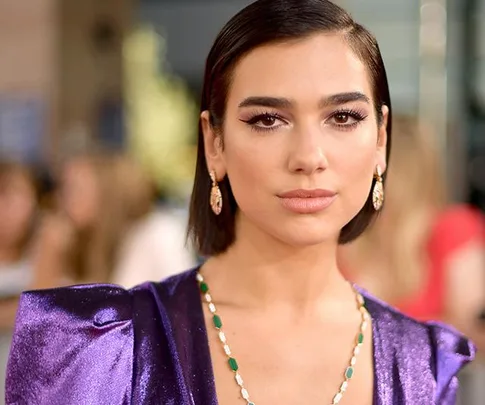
pixel 98 120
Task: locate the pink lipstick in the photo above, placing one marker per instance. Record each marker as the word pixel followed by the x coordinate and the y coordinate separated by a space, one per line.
pixel 307 201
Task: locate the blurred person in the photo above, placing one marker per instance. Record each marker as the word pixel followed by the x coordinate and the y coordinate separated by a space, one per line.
pixel 422 255
pixel 154 248
pixel 293 139
pixel 18 207
pixel 100 197
pixel 150 244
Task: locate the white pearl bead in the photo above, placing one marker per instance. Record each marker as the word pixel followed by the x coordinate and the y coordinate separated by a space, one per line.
pixel 245 393
pixel 239 379
pixel 337 398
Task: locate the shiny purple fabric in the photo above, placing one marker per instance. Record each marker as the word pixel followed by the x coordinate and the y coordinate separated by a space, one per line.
pixel 103 345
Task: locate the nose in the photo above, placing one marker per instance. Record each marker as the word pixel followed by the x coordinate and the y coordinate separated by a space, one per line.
pixel 307 155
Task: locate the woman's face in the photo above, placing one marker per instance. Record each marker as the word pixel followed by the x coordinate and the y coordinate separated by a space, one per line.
pixel 79 196
pixel 300 123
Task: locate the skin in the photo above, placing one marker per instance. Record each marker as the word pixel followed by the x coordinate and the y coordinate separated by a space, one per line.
pixel 17 206
pixel 79 194
pixel 290 317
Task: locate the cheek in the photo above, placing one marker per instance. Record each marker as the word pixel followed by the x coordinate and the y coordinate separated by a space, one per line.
pixel 16 215
pixel 355 163
pixel 248 164
pixel 80 203
pixel 25 211
pixel 242 169
pixel 358 165
pixel 92 197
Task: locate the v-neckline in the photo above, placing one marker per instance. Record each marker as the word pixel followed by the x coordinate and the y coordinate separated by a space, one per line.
pixel 207 354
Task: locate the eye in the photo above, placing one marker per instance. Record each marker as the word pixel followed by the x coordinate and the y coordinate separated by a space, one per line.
pixel 346 119
pixel 265 122
pixel 341 118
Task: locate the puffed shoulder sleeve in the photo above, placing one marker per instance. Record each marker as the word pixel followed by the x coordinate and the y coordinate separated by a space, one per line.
pixel 72 346
pixel 452 352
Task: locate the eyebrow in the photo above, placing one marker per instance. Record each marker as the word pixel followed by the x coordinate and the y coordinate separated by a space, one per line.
pixel 280 102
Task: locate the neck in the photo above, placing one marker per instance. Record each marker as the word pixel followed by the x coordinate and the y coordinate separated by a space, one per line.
pixel 261 271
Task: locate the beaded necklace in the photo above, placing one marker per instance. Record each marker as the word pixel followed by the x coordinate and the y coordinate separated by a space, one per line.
pixel 233 364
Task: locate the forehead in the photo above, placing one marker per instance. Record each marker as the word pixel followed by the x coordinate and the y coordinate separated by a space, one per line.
pixel 316 66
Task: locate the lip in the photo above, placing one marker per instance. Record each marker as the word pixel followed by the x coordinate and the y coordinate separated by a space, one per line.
pixel 303 201
pixel 303 193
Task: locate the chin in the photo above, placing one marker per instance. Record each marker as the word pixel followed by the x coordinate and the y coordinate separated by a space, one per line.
pixel 298 232
pixel 303 241
pixel 306 236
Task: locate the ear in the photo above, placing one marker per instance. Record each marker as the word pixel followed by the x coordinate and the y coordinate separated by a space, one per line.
pixel 381 158
pixel 213 147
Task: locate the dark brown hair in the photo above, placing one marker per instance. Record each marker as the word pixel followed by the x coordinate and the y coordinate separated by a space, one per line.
pixel 265 22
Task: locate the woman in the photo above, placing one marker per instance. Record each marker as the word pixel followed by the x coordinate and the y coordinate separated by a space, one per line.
pixel 295 118
pixel 425 257
pixel 101 197
pixel 18 211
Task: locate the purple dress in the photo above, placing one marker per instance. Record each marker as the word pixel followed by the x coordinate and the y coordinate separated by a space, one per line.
pixel 104 345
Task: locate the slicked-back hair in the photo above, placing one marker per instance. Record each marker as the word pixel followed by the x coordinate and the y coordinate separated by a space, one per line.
pixel 265 22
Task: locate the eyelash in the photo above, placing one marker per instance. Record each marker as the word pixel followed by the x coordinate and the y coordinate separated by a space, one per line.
pixel 356 115
pixel 260 117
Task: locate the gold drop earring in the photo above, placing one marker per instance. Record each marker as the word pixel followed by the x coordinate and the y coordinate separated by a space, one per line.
pixel 378 190
pixel 215 194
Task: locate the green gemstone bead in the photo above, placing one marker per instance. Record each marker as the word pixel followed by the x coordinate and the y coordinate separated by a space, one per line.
pixel 217 321
pixel 204 287
pixel 233 364
pixel 349 373
pixel 360 339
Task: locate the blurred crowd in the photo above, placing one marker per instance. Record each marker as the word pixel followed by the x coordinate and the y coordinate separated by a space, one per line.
pixel 100 216
pixel 425 254
pixel 96 219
